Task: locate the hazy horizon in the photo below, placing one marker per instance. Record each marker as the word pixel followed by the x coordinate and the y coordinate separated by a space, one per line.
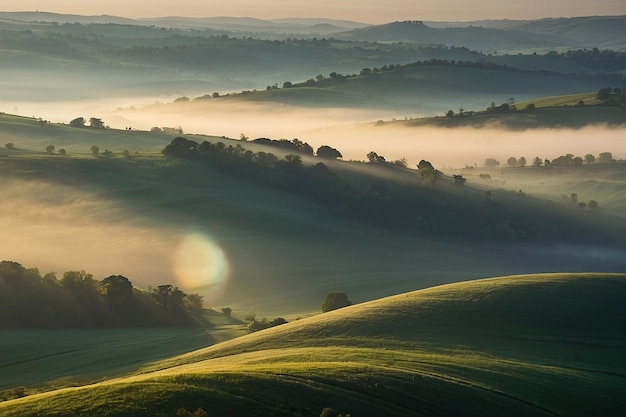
pixel 367 11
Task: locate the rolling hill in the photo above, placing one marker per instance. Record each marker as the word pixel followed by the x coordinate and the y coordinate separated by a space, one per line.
pixel 46 56
pixel 537 345
pixel 478 38
pixel 427 87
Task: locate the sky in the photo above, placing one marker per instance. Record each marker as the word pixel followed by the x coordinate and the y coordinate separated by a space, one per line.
pixel 367 11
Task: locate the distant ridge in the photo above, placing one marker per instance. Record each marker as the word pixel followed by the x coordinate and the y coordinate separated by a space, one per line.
pixel 593 31
pixel 228 23
pixel 470 36
pixel 36 16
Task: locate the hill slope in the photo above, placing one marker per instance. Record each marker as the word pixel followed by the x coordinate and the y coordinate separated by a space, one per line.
pixel 427 87
pixel 522 345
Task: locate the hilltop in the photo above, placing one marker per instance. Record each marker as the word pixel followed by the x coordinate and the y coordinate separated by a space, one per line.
pixel 520 345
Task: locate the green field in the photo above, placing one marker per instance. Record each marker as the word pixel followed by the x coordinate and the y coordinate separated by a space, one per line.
pixel 42 360
pixel 520 345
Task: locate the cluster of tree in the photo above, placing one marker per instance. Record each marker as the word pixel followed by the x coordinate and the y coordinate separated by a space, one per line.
pixel 168 130
pixel 507 107
pixel 605 60
pixel 570 159
pixel 572 201
pixel 255 325
pixel 515 162
pixel 30 300
pixel 424 202
pixel 94 123
pixel 563 160
pixel 295 145
pixel 375 158
pixel 611 96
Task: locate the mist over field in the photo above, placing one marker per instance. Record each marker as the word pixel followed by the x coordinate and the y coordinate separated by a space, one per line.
pixel 355 133
pixel 59 228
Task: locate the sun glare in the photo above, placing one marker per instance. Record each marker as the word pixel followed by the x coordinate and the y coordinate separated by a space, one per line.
pixel 200 265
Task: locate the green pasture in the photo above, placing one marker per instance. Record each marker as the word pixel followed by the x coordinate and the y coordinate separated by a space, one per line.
pixel 41 360
pixel 565 100
pixel 31 134
pixel 521 345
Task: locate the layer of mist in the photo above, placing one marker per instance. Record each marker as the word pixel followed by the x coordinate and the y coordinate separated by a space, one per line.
pixel 355 134
pixel 57 229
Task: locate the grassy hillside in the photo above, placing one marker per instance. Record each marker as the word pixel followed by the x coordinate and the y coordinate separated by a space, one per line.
pixel 521 345
pixel 430 87
pixel 564 117
pixel 32 136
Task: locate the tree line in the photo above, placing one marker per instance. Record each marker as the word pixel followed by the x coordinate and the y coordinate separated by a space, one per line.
pixel 562 160
pixel 29 299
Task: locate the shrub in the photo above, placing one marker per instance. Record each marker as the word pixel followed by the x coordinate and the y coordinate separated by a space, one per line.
pixel 335 300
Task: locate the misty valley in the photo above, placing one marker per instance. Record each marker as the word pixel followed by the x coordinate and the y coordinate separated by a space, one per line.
pixel 312 217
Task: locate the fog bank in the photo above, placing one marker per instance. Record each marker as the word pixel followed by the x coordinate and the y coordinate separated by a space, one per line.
pixel 57 229
pixel 355 132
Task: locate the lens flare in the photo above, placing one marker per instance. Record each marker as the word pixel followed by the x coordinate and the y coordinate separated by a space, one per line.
pixel 200 265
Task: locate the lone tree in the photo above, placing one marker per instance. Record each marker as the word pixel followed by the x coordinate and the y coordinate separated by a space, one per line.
pixel 590 159
pixel 327 152
pixel 50 149
pixel 605 157
pixel 96 123
pixel 374 158
pixel 491 163
pixel 78 122
pixel 10 145
pixel 95 151
pixel 335 300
